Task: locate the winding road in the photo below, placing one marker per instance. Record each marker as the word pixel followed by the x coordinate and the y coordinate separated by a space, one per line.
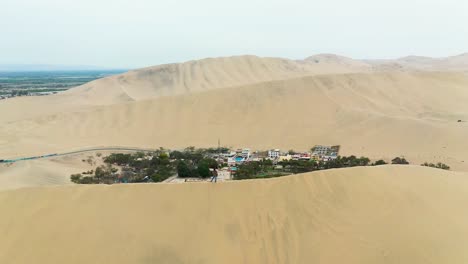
pixel 78 152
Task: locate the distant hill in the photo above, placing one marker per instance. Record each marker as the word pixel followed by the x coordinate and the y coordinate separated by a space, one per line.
pixel 339 60
pixel 420 63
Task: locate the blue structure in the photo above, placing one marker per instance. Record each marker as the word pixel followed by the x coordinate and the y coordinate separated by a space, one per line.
pixel 240 159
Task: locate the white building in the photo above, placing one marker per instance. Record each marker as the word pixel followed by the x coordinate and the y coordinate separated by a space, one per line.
pixel 246 153
pixel 231 161
pixel 274 154
pixel 229 154
pixel 320 150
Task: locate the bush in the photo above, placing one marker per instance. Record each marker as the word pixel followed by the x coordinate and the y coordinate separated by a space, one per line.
pixel 343 162
pixel 203 170
pixel 399 160
pixel 178 155
pixel 183 170
pixel 79 179
pixel 443 166
pixel 75 178
pixel 264 168
pixel 437 166
pixel 118 158
pixel 379 162
pixel 88 180
pixel 102 173
pixel 157 177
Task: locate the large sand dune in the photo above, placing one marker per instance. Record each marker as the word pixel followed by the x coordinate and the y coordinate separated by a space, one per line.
pixel 215 73
pixel 363 215
pixel 206 74
pixel 381 115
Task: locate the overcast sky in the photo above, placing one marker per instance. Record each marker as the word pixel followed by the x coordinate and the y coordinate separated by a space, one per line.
pixel 137 33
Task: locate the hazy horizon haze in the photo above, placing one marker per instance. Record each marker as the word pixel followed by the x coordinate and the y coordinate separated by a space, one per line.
pixel 140 33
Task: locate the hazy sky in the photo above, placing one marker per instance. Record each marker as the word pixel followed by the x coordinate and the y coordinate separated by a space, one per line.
pixel 136 33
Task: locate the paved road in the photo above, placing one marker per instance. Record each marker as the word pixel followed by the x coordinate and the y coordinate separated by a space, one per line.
pixel 79 152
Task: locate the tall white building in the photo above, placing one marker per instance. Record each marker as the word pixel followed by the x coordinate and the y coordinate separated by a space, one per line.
pixel 274 154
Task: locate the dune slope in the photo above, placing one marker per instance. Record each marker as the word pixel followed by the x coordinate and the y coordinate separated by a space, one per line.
pixel 420 63
pixel 362 215
pixel 203 75
pixel 215 73
pixel 46 172
pixel 380 115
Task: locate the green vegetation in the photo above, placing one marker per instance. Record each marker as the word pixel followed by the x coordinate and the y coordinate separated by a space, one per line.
pixel 19 92
pixel 183 170
pixel 400 160
pixel 196 163
pixel 102 174
pixel 34 83
pixel 149 167
pixel 266 169
pixel 439 165
pixel 195 168
pixel 379 162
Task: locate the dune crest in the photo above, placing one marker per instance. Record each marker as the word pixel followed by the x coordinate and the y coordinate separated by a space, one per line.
pixel 389 214
pixel 215 73
pixel 202 75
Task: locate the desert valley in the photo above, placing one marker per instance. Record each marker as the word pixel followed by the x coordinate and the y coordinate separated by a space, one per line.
pixel 412 107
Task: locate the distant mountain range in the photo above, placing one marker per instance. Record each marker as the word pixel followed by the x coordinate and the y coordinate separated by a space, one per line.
pixel 47 67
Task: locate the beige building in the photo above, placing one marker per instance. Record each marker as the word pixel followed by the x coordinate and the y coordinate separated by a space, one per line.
pixel 285 157
pixel 224 174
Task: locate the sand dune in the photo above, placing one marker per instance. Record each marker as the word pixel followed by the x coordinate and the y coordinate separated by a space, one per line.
pixel 215 73
pixel 252 102
pixel 212 73
pixel 362 215
pixel 381 115
pixel 381 109
pixel 334 59
pixel 420 63
pixel 202 75
pixel 35 173
pixel 53 171
pixel 459 62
